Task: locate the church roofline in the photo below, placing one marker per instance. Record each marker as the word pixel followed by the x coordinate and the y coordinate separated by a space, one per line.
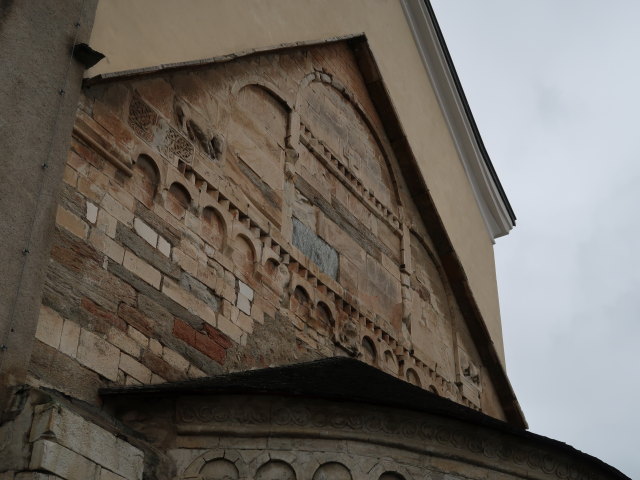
pixel 495 207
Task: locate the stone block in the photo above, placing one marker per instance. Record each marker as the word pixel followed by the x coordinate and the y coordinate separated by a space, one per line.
pixel 107 223
pixel 103 243
pixel 246 290
pixel 125 343
pixel 138 336
pixel 117 210
pixel 145 231
pixel 50 457
pixel 98 355
pixel 49 329
pixel 230 329
pixel 142 269
pixel 92 212
pixel 244 304
pixel 71 223
pixel 192 304
pixel 134 368
pixel 155 346
pixel 141 248
pixel 164 246
pixel 79 436
pixel 174 359
pixel 109 475
pixel 70 338
pixel 245 322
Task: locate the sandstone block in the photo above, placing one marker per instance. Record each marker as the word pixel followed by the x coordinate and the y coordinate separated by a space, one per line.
pixel 230 329
pixel 49 329
pixel 71 223
pixel 115 208
pixel 174 359
pixel 125 343
pixel 138 336
pixel 142 269
pixel 188 301
pixel 50 457
pixel 106 245
pixel 70 338
pixel 155 346
pixel 98 355
pixel 134 368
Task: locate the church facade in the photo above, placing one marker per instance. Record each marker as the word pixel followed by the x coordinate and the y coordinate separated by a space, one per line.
pixel 267 261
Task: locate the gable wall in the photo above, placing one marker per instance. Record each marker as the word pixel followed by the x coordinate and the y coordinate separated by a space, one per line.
pixel 211 221
pixel 157 32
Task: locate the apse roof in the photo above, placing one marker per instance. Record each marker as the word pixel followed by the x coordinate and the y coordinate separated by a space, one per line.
pixel 341 379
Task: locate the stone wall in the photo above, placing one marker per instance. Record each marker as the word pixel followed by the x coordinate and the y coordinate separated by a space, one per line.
pixel 239 215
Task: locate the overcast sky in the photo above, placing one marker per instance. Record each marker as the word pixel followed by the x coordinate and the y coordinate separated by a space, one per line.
pixel 554 86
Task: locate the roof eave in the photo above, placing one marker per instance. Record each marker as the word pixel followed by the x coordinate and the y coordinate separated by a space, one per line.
pixel 494 205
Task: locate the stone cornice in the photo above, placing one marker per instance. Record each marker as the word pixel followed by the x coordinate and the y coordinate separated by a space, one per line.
pixel 496 211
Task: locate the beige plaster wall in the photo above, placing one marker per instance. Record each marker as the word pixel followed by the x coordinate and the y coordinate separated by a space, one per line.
pixel 148 33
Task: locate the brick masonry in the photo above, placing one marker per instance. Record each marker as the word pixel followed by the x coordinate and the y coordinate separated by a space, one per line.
pixel 233 224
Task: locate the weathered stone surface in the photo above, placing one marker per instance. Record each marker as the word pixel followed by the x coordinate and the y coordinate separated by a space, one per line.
pixel 315 248
pixel 242 201
pixel 98 355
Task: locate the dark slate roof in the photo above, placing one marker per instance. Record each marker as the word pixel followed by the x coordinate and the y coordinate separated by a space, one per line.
pixel 344 380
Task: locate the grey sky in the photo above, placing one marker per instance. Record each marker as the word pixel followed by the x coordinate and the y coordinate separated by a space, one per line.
pixel 554 86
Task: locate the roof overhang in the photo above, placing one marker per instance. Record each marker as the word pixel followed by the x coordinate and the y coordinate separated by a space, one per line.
pixel 496 211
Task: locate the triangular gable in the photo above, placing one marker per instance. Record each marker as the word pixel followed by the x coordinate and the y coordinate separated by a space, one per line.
pixel 297 222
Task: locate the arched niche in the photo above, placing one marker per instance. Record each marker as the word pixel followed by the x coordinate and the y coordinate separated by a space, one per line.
pixel 412 377
pixel 219 469
pixel 178 199
pixel 213 227
pixel 324 316
pixel 368 349
pixel 243 256
pixel 300 303
pixel 334 117
pixel 275 470
pixel 145 180
pixel 256 141
pixel 332 471
pixel 391 476
pixel 390 362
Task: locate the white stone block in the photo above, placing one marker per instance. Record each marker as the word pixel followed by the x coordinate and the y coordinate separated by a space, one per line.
pixel 164 246
pixel 244 304
pixel 92 212
pixel 246 290
pixel 146 232
pixel 98 355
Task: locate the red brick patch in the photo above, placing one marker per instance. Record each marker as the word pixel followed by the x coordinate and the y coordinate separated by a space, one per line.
pixel 211 342
pixel 218 337
pixel 135 318
pixel 102 314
